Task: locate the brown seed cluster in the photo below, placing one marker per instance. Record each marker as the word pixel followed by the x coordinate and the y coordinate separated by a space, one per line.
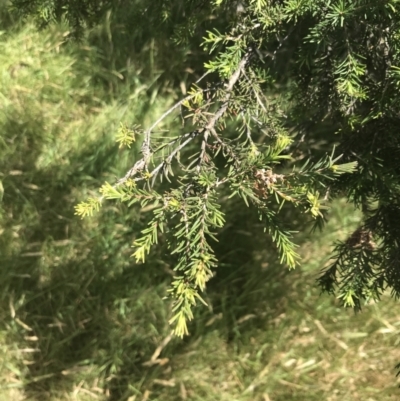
pixel 264 180
pixel 361 238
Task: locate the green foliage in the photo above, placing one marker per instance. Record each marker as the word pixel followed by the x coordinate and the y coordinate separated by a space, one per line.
pixel 88 208
pixel 57 119
pixel 126 136
pixel 248 171
pixel 290 82
pixel 239 138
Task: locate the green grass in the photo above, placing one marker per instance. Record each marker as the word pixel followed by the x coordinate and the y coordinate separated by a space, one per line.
pixel 268 335
pixel 80 321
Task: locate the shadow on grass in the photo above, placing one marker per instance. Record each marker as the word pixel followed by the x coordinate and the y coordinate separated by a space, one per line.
pixel 78 312
pixel 69 294
pixel 82 316
pixel 87 312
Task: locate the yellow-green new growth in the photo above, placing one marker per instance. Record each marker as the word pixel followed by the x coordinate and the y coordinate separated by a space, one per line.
pixel 87 208
pixel 126 136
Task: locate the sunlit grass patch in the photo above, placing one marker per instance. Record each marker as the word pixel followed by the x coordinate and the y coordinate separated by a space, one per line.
pixel 80 321
pixel 69 307
pixel 311 349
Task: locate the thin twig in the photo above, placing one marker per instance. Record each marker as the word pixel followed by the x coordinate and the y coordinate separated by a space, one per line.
pixel 141 164
pixel 232 81
pixel 256 94
pixel 174 152
pixel 202 77
pixel 210 127
pixel 224 145
pixel 147 136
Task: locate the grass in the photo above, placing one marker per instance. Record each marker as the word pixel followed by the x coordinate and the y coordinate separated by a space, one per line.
pixel 268 335
pixel 294 344
pixel 80 321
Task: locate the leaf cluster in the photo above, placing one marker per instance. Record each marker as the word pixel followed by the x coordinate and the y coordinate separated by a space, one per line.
pixel 291 84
